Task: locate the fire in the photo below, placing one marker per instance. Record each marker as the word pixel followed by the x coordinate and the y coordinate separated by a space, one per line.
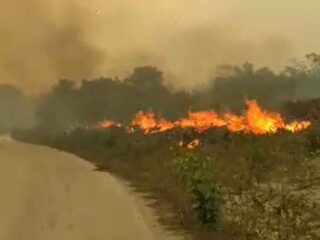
pixel 108 124
pixel 194 144
pixel 148 123
pixel 297 126
pixel 254 121
pixel 258 121
pixel 234 123
pixel 164 125
pixel 262 122
pixel 201 121
pixel 191 145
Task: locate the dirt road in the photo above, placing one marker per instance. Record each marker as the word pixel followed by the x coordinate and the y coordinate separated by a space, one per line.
pixel 52 195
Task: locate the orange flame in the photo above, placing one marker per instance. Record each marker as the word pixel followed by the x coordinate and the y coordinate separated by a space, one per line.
pixel 191 145
pixel 149 124
pixel 194 144
pixel 254 121
pixel 201 121
pixel 262 122
pixel 108 124
pixel 146 121
pixel 297 126
pixel 257 121
pixel 164 125
pixel 234 123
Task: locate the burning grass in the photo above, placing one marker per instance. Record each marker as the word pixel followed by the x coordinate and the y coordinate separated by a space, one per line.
pixel 253 121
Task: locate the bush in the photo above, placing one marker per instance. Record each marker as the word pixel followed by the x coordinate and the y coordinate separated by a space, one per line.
pixel 194 174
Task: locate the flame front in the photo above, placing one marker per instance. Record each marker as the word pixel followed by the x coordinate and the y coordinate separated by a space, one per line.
pixel 258 121
pixel 201 121
pixel 254 121
pixel 262 122
pixel 148 123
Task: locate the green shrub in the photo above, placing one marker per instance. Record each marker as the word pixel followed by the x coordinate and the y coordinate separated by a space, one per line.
pixel 195 176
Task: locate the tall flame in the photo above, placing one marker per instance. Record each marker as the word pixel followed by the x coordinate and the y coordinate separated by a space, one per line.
pixel 253 121
pixel 201 121
pixel 148 123
pixel 145 120
pixel 258 121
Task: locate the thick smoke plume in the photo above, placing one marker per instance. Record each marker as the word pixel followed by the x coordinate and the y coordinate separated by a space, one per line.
pixel 42 41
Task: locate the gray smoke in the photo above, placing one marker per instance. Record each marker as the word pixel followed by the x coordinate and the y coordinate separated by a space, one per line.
pixel 43 40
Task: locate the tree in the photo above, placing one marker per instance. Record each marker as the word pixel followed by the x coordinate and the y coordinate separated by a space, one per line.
pixel 16 109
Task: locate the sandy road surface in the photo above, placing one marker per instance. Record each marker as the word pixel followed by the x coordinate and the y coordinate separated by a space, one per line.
pixel 51 195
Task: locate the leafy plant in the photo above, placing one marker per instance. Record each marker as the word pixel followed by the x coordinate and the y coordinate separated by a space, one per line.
pixel 194 174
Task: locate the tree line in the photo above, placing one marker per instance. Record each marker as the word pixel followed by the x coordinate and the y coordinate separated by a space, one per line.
pixel 70 104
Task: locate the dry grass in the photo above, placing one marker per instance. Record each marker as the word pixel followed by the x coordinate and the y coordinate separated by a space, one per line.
pixel 261 177
pixel 272 212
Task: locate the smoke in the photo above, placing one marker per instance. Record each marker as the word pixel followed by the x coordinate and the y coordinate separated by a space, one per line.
pixel 43 40
pixel 199 51
pixel 186 39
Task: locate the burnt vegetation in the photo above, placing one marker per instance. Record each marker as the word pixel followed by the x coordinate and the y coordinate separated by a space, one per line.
pixel 233 186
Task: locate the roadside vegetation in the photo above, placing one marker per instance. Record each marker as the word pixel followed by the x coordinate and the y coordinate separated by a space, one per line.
pixel 233 185
pixel 236 186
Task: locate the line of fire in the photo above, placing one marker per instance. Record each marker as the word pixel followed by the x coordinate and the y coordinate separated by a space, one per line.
pixel 254 120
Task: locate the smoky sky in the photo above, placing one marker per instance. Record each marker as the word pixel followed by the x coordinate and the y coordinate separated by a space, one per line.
pixel 42 40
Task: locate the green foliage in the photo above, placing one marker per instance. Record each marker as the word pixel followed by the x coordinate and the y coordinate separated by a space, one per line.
pixel 195 175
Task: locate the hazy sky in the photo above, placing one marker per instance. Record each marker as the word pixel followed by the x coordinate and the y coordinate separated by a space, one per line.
pixel 43 40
